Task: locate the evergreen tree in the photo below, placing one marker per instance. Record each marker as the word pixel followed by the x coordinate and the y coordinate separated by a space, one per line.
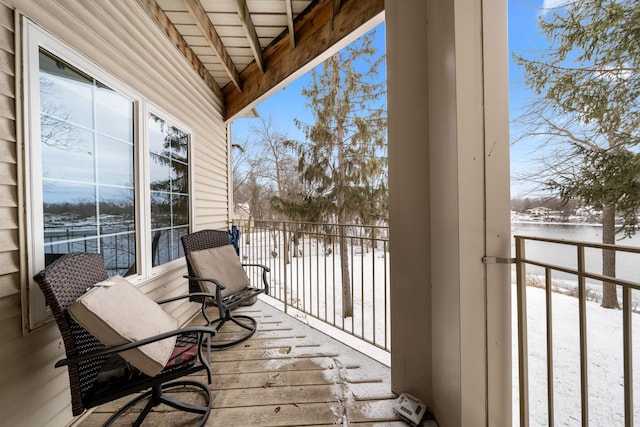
pixel 343 160
pixel 588 92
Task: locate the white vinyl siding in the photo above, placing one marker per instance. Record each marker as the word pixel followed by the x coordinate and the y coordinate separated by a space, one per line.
pixel 120 39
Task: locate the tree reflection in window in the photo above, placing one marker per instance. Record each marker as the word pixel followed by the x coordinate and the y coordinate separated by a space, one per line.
pixel 87 167
pixel 169 170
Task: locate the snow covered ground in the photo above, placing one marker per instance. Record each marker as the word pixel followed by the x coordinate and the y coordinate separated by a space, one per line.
pixel 605 361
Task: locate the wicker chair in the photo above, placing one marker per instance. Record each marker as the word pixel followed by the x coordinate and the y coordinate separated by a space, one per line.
pixel 207 239
pixel 62 283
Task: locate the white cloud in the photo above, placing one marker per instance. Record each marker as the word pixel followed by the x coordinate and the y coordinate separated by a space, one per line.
pixel 549 5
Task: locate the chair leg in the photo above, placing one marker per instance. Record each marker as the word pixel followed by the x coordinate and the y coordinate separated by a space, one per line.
pixel 251 326
pixel 156 397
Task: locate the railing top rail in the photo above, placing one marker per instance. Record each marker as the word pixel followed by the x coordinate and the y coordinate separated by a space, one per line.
pixel 603 278
pixel 329 224
pixel 619 248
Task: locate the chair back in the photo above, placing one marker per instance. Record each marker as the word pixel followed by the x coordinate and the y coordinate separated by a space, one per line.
pixel 63 282
pixel 200 240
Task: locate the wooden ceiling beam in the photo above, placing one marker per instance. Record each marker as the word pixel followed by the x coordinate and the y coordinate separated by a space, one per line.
pixel 211 35
pixel 317 31
pixel 157 15
pixel 250 30
pixel 292 33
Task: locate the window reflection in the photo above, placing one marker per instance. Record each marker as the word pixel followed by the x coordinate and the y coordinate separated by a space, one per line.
pixel 169 167
pixel 87 167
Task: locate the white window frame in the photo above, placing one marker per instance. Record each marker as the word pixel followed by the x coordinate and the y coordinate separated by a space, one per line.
pixel 35 38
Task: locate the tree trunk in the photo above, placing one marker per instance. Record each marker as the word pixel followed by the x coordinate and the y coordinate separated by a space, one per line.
pixel 347 299
pixel 609 291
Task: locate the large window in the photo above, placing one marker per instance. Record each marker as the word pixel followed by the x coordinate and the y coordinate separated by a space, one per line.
pixel 107 171
pixel 87 156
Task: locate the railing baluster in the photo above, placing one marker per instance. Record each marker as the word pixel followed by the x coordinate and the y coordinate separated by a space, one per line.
pixel 523 351
pixel 549 309
pixel 582 314
pixel 628 356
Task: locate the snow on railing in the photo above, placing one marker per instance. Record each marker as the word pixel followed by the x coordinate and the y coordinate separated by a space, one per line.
pixel 551 264
pixel 316 268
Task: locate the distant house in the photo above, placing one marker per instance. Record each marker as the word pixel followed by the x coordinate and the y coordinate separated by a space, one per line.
pixel 539 211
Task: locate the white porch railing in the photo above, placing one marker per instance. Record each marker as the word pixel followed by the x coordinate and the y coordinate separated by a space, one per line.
pixel 539 259
pixel 306 264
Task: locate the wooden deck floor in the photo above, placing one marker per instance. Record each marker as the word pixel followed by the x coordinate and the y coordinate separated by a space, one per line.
pixel 287 374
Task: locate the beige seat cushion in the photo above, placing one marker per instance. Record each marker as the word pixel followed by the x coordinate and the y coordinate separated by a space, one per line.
pixel 116 312
pixel 223 264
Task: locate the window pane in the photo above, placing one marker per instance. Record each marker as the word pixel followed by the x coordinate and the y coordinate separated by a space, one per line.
pixel 180 177
pixel 87 167
pixel 160 210
pixel 117 210
pixel 114 114
pixel 160 173
pixel 119 253
pixel 115 162
pixel 69 218
pixel 169 187
pixel 67 151
pixel 180 209
pixel 65 92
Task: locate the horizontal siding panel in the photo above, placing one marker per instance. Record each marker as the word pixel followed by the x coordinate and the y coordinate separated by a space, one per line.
pixel 8 262
pixel 7 129
pixel 10 307
pixel 7 151
pixel 7 108
pixel 7 85
pixel 7 173
pixel 8 218
pixel 6 17
pixel 6 62
pixel 9 284
pixel 8 196
pixel 6 40
pixel 8 240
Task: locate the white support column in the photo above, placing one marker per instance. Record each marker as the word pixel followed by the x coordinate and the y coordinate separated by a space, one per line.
pixel 449 199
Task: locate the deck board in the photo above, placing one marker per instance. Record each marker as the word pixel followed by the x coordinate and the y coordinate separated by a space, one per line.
pixel 287 374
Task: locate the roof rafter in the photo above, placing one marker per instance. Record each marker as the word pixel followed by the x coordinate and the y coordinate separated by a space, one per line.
pixel 319 32
pixel 157 15
pixel 250 29
pixel 202 20
pixel 292 33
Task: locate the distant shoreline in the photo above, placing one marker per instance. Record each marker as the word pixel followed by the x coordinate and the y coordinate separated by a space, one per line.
pixel 588 224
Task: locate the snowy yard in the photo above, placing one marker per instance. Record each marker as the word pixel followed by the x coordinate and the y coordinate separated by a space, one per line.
pixel 605 359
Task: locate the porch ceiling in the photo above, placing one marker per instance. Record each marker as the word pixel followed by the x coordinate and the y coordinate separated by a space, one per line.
pixel 243 49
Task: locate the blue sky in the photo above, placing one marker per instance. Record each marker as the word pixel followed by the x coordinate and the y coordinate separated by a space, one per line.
pixel 524 37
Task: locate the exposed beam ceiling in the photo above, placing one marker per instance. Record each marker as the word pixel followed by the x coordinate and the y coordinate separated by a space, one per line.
pixel 252 36
pixel 222 39
pixel 208 30
pixel 292 33
pixel 317 31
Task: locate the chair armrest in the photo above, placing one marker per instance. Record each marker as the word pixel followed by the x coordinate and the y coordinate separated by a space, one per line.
pixel 219 284
pixel 193 294
pixel 265 270
pixel 201 330
pixel 264 267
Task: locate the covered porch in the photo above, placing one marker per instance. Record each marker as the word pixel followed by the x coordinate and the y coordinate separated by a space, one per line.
pixel 288 373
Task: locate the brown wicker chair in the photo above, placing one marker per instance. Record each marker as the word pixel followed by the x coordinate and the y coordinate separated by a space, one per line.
pixel 206 239
pixel 64 281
